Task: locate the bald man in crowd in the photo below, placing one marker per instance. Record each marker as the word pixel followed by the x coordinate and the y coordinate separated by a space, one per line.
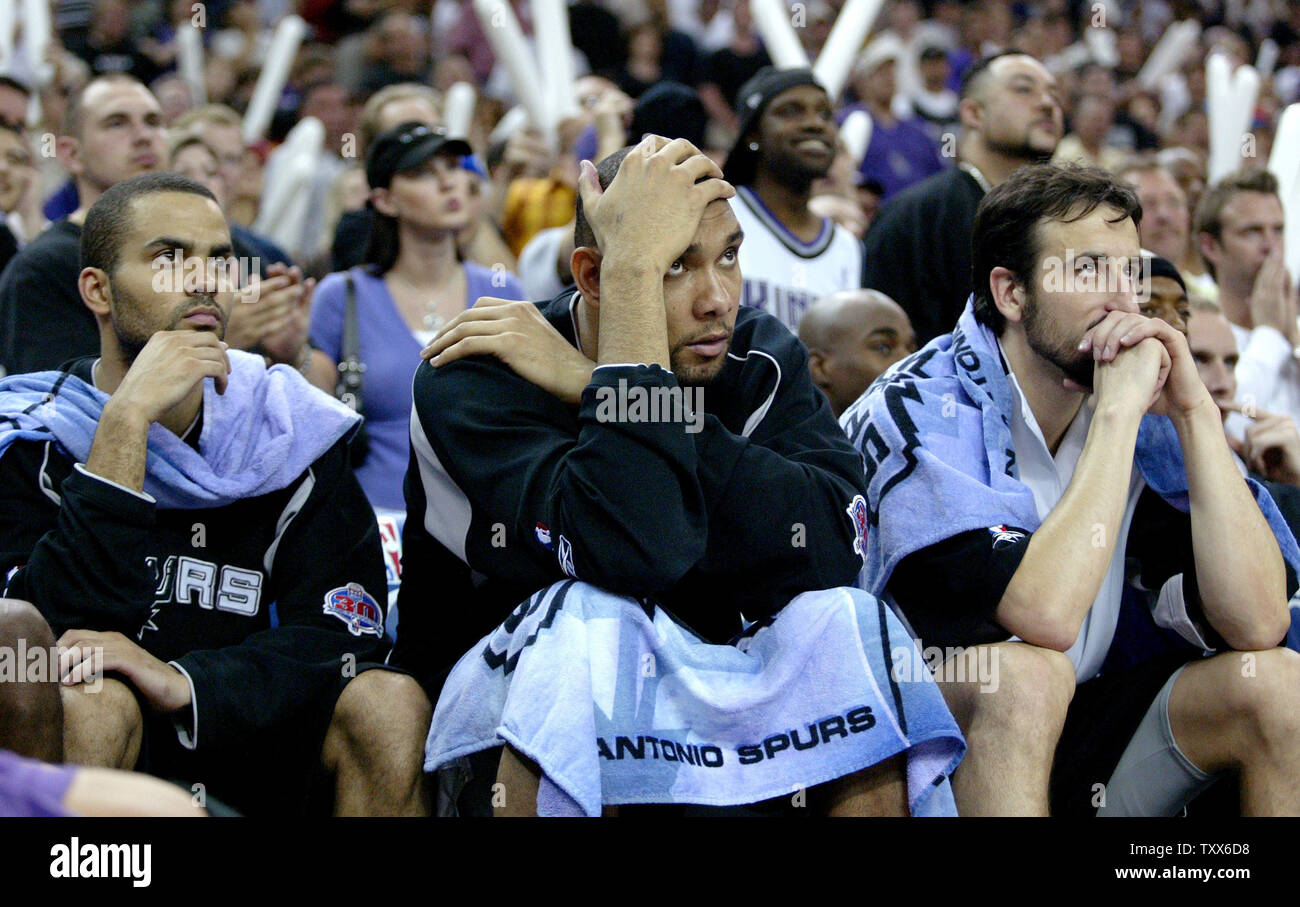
pixel 852 336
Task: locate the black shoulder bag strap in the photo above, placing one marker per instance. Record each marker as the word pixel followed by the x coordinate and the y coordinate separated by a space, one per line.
pixel 351 369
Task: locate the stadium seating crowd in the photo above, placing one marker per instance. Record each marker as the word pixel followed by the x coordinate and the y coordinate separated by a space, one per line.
pixel 909 178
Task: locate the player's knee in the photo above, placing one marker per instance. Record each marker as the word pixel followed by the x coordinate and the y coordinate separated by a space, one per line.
pixel 31 716
pixel 1033 690
pixel 119 707
pixel 378 707
pixel 106 713
pixel 1265 696
pixel 20 707
pixel 19 620
pixel 107 701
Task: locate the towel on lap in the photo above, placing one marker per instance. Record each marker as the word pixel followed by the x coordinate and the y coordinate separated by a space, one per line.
pixel 618 703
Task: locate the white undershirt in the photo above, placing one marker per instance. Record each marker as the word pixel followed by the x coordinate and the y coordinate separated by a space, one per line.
pixel 1048 477
pixel 1268 375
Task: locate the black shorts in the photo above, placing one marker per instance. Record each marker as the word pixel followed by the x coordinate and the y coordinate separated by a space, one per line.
pixel 275 773
pixel 1102 719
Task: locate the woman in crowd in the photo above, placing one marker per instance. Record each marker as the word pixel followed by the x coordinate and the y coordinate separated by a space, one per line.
pixel 411 283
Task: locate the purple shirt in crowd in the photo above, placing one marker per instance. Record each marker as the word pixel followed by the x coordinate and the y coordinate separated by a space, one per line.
pixel 898 155
pixel 391 354
pixel 32 788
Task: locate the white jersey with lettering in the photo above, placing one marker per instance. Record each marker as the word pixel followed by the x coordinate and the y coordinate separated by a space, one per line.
pixel 783 275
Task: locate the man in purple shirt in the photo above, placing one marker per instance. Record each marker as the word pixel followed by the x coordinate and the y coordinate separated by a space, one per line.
pixel 900 152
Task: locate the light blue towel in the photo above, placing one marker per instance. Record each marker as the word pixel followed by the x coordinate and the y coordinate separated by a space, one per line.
pixel 618 703
pixel 258 437
pixel 935 435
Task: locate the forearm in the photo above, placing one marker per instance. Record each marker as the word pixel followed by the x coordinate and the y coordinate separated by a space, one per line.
pixel 624 494
pixel 263 682
pixel 321 371
pixel 1242 585
pixel 1068 556
pixel 779 518
pixel 632 319
pixel 274 674
pixel 119 450
pixel 610 136
pixel 627 495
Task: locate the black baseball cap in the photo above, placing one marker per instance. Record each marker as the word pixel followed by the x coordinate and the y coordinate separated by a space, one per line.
pixel 751 101
pixel 672 110
pixel 1163 267
pixel 406 146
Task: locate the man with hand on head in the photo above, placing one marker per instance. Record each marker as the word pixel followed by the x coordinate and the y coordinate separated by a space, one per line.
pixel 185 519
pixel 654 459
pixel 1022 468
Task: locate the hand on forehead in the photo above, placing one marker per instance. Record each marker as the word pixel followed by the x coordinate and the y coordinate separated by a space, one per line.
pixel 654 199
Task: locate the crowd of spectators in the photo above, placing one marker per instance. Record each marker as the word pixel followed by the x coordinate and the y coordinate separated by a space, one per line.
pixel 359 253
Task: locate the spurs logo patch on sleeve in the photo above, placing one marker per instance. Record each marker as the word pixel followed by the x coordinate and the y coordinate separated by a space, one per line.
pixel 565 554
pixel 857 511
pixel 1004 537
pixel 357 608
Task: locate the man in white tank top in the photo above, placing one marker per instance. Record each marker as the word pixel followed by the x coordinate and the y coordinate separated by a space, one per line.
pixel 791 257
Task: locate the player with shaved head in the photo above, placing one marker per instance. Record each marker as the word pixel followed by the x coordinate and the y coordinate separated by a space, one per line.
pixel 852 336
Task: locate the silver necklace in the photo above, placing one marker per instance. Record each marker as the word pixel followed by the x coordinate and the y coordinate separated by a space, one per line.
pixel 977 176
pixel 432 321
